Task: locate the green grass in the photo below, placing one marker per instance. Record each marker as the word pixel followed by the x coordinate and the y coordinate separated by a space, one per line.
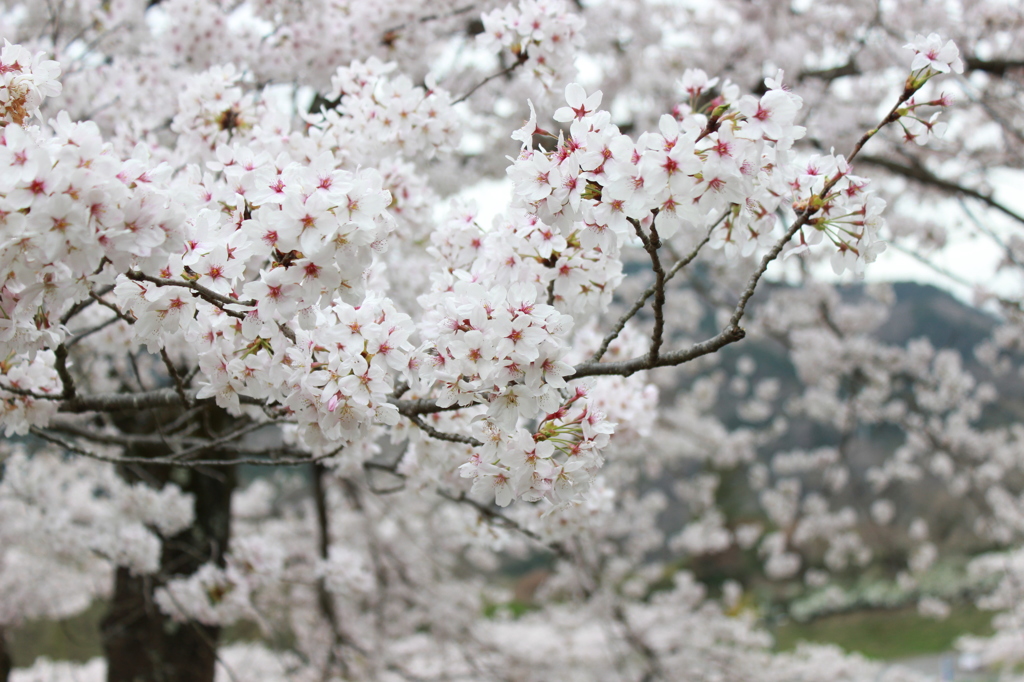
pixel 74 639
pixel 878 634
pixel 78 638
pixel 515 608
pixel 887 634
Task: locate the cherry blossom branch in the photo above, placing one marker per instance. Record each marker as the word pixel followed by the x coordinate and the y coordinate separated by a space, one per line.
pixel 410 408
pixel 732 332
pixel 179 385
pixel 520 60
pixel 61 365
pixel 494 516
pixel 83 304
pixel 92 330
pixel 431 17
pixel 98 297
pixel 171 461
pixel 642 300
pixel 208 295
pixel 169 397
pixel 651 245
pixel 443 435
pixel 29 394
pixel 923 175
pixel 119 402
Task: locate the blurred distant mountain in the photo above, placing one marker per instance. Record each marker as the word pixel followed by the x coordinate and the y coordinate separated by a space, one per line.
pixel 925 310
pixel 920 311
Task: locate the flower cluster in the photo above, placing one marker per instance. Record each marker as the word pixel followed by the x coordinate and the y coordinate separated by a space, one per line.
pixel 25 81
pixel 341 370
pixel 932 57
pixel 213 109
pixel 542 35
pixel 556 463
pixel 25 390
pixel 67 204
pixel 222 596
pixel 498 347
pixel 849 215
pixel 501 348
pixel 68 523
pixel 376 115
pixel 726 168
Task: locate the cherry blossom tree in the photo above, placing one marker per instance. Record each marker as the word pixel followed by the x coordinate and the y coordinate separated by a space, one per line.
pixel 235 235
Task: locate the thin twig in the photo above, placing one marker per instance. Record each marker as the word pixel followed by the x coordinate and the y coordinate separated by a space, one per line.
pixel 171 461
pixel 732 332
pixel 430 17
pixel 174 443
pixel 520 60
pixel 179 385
pixel 98 297
pixel 89 332
pixel 642 300
pixel 209 295
pixel 504 521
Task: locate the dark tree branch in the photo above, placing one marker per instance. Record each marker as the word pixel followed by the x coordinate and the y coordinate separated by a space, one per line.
pixel 120 402
pixel 179 385
pixel 917 172
pixel 642 300
pixel 732 331
pixel 324 598
pixel 848 69
pixel 89 332
pixel 61 365
pixel 651 245
pixel 997 67
pixel 82 305
pixel 442 435
pixel 208 295
pixel 98 297
pixel 175 462
pixel 430 17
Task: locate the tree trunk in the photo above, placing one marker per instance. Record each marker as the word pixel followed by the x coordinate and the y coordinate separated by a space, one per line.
pixel 5 658
pixel 141 643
